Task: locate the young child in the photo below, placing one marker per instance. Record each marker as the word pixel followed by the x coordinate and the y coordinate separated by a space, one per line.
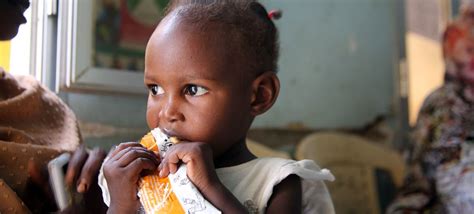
pixel 211 69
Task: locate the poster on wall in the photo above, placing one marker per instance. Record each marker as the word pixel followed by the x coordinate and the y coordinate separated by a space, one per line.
pixel 122 29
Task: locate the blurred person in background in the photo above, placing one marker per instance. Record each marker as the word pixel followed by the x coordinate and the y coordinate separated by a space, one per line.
pixel 441 165
pixel 35 127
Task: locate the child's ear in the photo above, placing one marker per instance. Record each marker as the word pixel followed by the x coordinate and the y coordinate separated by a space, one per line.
pixel 265 89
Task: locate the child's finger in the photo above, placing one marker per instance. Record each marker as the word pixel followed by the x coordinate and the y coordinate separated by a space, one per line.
pixel 164 171
pixel 76 162
pixel 173 160
pixel 90 170
pixel 134 153
pixel 173 167
pixel 138 165
pixel 121 151
pixel 115 150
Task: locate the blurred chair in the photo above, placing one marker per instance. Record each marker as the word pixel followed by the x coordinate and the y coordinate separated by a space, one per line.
pixel 367 174
pixel 260 150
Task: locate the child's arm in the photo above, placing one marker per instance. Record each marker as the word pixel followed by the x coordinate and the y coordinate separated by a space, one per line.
pixel 286 197
pixel 122 170
pixel 201 171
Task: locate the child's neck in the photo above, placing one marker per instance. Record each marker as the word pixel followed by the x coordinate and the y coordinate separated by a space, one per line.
pixel 235 155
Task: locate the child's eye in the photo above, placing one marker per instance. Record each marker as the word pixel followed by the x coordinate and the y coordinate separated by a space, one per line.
pixel 156 90
pixel 194 90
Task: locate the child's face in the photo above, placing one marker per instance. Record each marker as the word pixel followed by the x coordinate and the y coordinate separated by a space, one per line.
pixel 196 91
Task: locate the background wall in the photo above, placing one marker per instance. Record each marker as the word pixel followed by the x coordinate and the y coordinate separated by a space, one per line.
pixel 339 61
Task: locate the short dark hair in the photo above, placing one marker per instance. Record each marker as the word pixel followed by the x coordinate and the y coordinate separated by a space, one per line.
pixel 246 24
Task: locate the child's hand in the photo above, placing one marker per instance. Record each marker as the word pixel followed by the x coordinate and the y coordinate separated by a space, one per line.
pixel 122 170
pixel 201 171
pixel 198 159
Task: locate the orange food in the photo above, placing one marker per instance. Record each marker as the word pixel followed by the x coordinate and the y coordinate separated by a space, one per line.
pixel 156 195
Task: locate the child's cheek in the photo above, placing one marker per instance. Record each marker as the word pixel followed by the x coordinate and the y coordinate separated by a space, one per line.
pixel 151 116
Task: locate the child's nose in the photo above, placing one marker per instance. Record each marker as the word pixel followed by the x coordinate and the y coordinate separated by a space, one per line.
pixel 170 111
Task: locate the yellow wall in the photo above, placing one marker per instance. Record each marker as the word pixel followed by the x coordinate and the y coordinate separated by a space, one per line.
pixel 5 55
pixel 426 70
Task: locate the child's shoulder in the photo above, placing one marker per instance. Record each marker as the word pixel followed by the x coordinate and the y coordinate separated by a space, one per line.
pixel 279 168
pixel 254 181
pixel 306 169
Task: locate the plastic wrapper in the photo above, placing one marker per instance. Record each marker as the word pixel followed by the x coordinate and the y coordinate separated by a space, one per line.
pixel 173 194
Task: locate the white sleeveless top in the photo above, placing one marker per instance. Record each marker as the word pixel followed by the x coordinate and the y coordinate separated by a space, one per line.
pixel 252 183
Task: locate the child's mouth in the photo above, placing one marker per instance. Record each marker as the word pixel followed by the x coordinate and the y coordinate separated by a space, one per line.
pixel 174 136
